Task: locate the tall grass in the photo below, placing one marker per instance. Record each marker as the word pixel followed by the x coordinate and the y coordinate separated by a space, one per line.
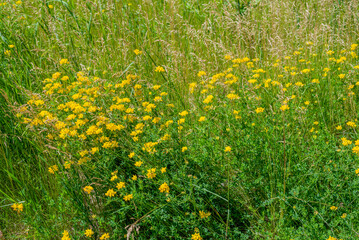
pixel 185 37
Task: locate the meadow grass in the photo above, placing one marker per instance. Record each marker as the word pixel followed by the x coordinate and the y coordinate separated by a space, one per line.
pixel 179 119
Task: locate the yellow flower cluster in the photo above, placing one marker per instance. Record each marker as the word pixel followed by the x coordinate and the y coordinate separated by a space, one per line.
pixel 65 235
pixel 18 207
pixel 164 188
pixel 136 121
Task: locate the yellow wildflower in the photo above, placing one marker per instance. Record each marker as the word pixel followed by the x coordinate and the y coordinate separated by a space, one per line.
pixel 196 236
pixel 128 197
pixel 88 189
pixel 105 236
pixel 110 193
pixel 18 207
pixel 67 165
pixel 203 214
pixel 64 61
pixel 137 52
pixel 284 107
pixel 353 46
pixel 259 110
pixel 65 235
pixel 208 99
pixel 164 188
pixel 138 163
pixel 232 96
pixel 201 119
pixel 201 73
pixel 89 232
pixel 356 150
pixel 346 142
pixel 159 69
pixel 113 178
pixel 94 150
pixel 151 173
pixel 184 113
pixel 333 208
pixel 351 124
pixel 53 169
pixel 120 185
pixel 182 120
